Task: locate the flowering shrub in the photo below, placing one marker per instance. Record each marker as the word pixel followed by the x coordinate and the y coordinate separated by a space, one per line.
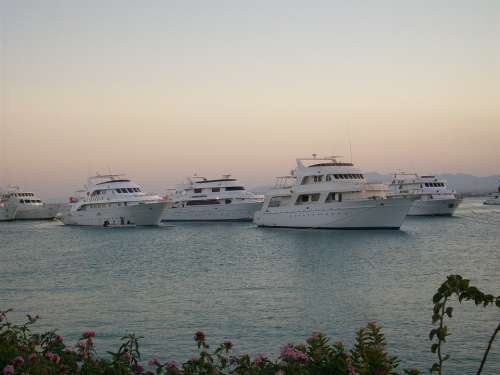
pixel 24 352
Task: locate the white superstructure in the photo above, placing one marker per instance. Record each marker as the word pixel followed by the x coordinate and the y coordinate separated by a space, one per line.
pixel 434 195
pixel 222 199
pixel 326 193
pixel 113 200
pixel 25 205
pixel 493 199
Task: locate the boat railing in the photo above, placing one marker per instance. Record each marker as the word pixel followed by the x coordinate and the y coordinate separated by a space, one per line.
pixel 283 182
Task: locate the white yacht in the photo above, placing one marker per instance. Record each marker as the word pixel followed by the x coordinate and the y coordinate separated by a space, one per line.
pixel 434 196
pixel 25 205
pixel 222 199
pixel 114 201
pixel 326 193
pixel 493 199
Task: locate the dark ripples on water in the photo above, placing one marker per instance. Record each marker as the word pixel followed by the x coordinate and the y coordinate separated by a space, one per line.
pixel 260 288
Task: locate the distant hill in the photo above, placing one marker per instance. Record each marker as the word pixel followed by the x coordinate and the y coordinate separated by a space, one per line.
pixel 463 183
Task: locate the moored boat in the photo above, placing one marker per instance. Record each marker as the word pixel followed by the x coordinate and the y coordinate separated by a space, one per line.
pixel 114 201
pixel 220 199
pixel 26 205
pixel 434 196
pixel 327 193
pixel 493 198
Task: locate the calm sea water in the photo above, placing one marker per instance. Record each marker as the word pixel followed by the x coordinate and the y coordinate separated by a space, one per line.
pixel 259 287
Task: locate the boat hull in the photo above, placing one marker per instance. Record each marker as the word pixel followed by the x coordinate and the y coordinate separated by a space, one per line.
pixel 434 207
pixel 7 214
pixel 226 212
pixel 493 200
pixel 363 214
pixel 145 214
pixel 46 212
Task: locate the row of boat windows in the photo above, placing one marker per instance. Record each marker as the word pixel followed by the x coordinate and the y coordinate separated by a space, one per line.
pixel 102 205
pixel 218 189
pixel 331 177
pixel 434 184
pixel 306 199
pixel 28 201
pixel 8 195
pixel 120 191
pixel 205 202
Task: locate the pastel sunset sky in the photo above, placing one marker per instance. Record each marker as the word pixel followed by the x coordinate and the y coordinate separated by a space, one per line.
pixel 164 89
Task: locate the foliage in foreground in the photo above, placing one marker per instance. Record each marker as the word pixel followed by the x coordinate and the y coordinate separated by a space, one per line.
pixel 24 352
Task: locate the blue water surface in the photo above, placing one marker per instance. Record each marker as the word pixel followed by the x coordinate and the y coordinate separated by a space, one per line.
pixel 261 288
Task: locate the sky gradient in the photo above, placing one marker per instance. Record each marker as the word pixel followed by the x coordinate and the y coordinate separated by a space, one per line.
pixel 164 89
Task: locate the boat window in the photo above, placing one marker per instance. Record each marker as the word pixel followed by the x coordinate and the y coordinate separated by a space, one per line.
pixel 305 180
pixel 215 190
pixel 318 178
pixel 233 188
pixel 196 191
pixel 130 190
pixel 21 200
pixel 279 201
pixel 228 201
pixel 340 197
pixel 203 202
pixel 328 177
pixel 330 197
pixel 303 198
pixel 315 197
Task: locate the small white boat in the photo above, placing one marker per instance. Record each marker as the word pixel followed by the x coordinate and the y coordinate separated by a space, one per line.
pixel 493 199
pixel 328 193
pixel 114 201
pixel 434 196
pixel 221 199
pixel 26 205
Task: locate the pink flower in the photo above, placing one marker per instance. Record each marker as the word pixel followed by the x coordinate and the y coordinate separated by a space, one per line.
pixel 59 338
pixel 259 359
pixel 32 358
pixel 290 353
pixel 53 357
pixel 88 334
pixel 199 336
pixel 154 362
pixel 137 368
pixel 173 365
pixel 126 356
pixel 81 344
pixel 8 370
pixel 67 351
pixel 19 360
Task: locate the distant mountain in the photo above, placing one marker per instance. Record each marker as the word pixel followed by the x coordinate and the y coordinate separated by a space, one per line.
pixel 463 183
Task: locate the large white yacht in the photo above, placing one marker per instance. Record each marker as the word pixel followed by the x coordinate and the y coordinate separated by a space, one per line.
pixel 114 201
pixel 493 198
pixel 222 199
pixel 434 196
pixel 327 193
pixel 25 205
